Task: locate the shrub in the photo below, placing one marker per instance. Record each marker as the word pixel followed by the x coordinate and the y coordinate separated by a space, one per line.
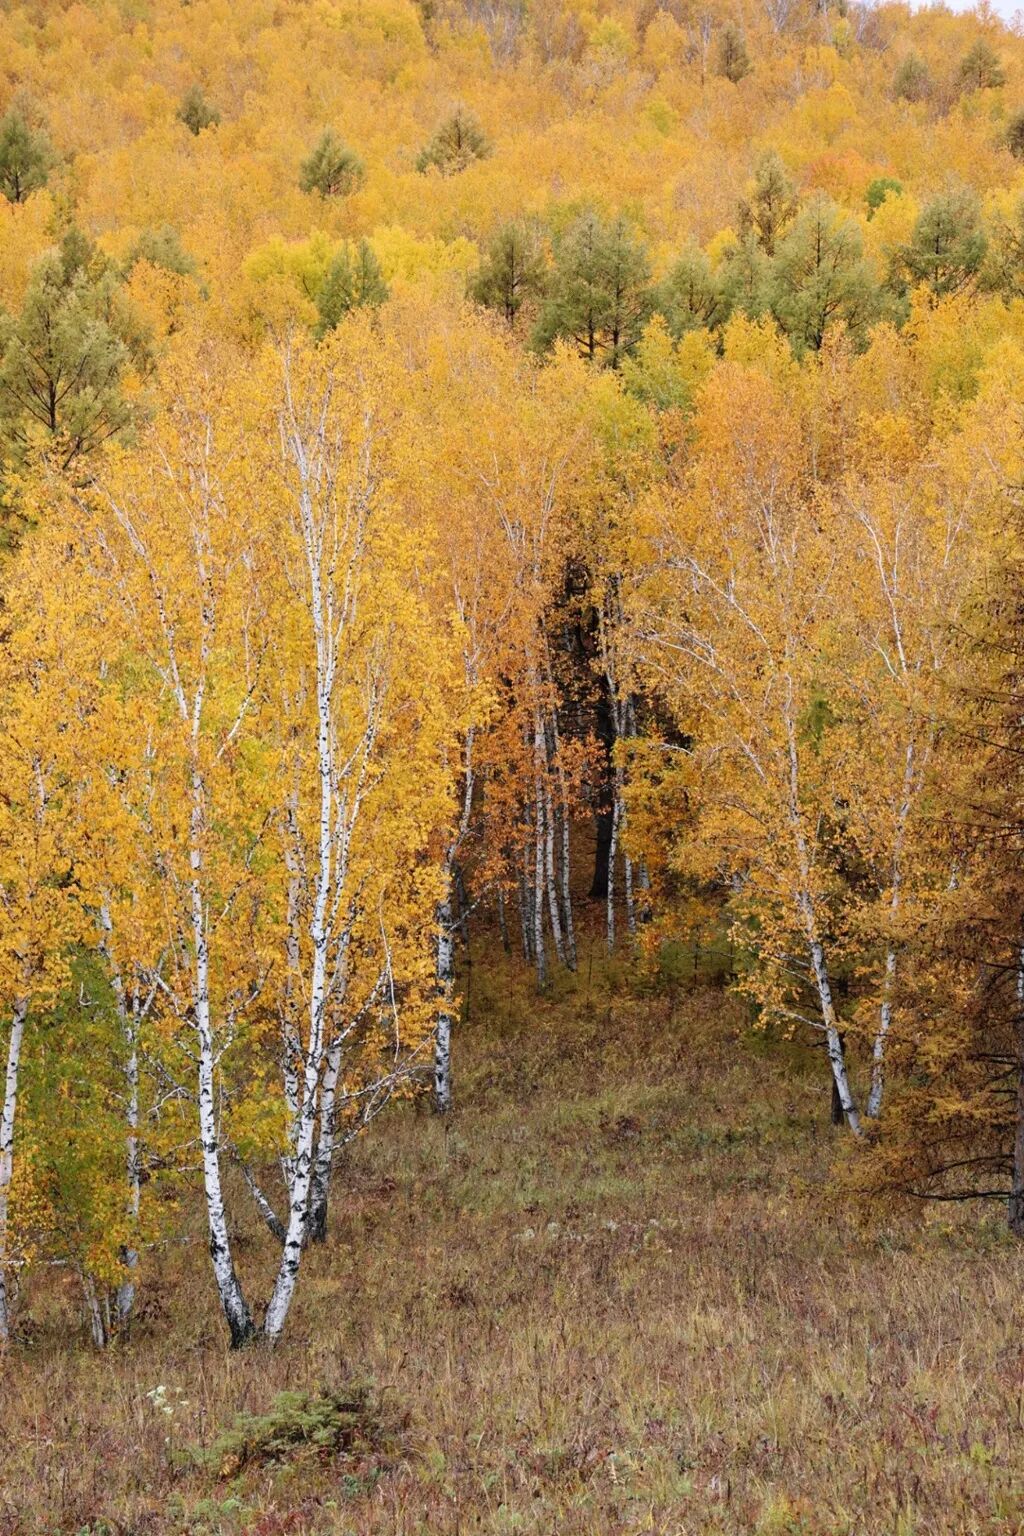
pixel 348 1421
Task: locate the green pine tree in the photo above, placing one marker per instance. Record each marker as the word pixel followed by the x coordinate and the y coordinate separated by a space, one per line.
pixel 65 357
pixel 980 69
pixel 947 247
pixel 332 169
pixel 26 157
pixel 353 281
pixel 819 277
pixel 512 270
pixel 161 247
pixel 745 279
pixel 691 297
pixel 457 143
pixel 772 203
pixel 599 296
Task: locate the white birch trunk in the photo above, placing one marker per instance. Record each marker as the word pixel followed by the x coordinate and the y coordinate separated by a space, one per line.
pixel 273 1222
pixel 874 1104
pixel 302 1173
pixel 562 820
pixel 291 1047
pixel 613 847
pixel 503 920
pixel 7 1124
pixel 445 986
pixel 125 1299
pixel 98 1312
pixel 819 969
pixel 537 904
pixel 549 876
pixel 445 952
pixel 236 1310
pixel 129 1017
pixel 834 1045
pixel 323 1162
pixel 525 910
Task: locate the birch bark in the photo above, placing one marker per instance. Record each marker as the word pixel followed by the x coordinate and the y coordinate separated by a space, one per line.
pixel 8 1117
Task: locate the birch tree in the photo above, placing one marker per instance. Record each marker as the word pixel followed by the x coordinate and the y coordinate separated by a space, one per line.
pixel 365 743
pixel 179 574
pixel 732 630
pixel 910 559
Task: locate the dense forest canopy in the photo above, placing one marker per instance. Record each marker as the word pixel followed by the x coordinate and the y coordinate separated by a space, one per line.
pixel 509 464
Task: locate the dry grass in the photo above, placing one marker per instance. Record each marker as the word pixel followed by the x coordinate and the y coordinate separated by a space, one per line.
pixel 611 1295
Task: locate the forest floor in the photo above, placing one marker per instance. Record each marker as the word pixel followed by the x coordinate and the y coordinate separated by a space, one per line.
pixel 609 1295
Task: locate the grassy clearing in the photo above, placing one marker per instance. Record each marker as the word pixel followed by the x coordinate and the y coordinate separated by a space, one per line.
pixel 610 1295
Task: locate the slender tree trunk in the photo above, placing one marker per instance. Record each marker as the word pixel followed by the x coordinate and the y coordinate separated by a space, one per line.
pixel 1015 1205
pixel 503 920
pixel 233 1302
pixel 819 969
pixel 565 884
pixel 613 848
pixel 99 1319
pixel 445 953
pixel 604 729
pixel 323 1163
pixel 603 826
pixel 525 910
pixel 549 876
pixel 627 864
pixel 291 1046
pixel 874 1104
pixel 299 1194
pixel 445 989
pixel 833 1037
pixel 125 1298
pixel 129 1015
pixel 273 1222
pixel 562 830
pixel 539 954
pixel 7 1121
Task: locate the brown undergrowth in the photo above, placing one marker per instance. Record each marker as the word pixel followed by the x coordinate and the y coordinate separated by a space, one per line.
pixel 611 1294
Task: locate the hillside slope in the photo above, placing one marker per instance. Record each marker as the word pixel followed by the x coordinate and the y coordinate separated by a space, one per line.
pixel 609 1295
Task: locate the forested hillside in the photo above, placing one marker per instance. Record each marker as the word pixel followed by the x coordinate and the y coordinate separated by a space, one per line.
pixel 485 485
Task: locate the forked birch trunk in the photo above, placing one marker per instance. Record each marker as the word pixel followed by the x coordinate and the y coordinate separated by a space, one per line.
pixel 816 951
